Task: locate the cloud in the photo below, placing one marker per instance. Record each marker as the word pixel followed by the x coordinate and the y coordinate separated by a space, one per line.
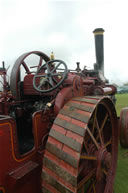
pixel 65 27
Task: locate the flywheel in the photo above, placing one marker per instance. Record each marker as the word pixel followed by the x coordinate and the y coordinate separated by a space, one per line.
pixel 81 151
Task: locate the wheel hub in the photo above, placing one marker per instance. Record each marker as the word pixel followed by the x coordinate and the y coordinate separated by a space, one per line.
pixel 107 159
pixel 103 162
pixel 48 74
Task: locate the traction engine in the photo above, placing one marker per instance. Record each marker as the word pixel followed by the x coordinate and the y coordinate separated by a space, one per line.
pixel 58 127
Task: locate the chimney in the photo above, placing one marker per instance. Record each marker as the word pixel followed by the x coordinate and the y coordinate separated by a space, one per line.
pixel 99 48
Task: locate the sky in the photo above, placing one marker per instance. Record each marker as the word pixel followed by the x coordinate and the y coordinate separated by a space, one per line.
pixel 65 27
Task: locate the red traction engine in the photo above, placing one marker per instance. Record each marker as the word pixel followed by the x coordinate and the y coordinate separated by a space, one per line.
pixel 58 132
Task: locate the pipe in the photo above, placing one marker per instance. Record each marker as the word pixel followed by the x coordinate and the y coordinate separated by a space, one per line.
pixel 99 48
pixel 99 90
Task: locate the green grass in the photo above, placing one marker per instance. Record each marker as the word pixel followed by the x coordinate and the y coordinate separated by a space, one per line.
pixel 122 101
pixel 121 181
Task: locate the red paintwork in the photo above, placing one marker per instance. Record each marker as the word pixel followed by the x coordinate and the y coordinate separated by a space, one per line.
pixel 29 89
pixel 21 172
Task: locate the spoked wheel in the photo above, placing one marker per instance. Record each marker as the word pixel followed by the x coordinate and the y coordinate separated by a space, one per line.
pixel 52 77
pixel 15 78
pixel 123 127
pixel 81 151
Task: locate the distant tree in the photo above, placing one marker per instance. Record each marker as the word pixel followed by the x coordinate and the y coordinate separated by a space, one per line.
pixel 125 84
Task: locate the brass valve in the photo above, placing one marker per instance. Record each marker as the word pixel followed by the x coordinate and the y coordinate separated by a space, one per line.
pixel 52 56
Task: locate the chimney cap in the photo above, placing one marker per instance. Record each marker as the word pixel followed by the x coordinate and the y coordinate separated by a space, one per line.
pixel 98 31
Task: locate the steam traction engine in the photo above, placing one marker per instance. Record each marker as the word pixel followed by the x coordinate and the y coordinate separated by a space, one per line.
pixel 58 132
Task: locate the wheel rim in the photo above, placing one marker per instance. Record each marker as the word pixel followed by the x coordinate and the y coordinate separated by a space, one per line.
pixel 89 155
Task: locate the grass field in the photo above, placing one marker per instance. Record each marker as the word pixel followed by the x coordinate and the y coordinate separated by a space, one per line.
pixel 122 101
pixel 121 182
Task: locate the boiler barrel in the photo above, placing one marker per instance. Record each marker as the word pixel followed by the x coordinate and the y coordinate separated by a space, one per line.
pixel 99 48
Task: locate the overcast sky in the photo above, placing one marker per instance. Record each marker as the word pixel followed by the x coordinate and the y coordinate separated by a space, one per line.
pixel 65 27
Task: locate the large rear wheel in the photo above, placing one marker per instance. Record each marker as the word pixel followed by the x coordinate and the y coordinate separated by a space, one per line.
pixel 81 151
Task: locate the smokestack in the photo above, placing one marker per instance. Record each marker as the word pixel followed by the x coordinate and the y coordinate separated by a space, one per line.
pixel 99 48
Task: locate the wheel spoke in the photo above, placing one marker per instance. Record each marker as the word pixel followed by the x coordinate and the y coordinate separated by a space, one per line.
pixel 108 143
pixel 92 137
pixel 94 120
pixel 55 67
pixel 48 69
pixel 88 157
pixel 86 178
pixel 39 86
pixel 92 187
pixel 41 75
pixel 54 80
pixel 82 189
pixel 101 129
pixel 99 132
pixel 57 74
pixel 100 186
pixel 104 121
pixel 51 81
pixel 85 145
pixel 94 190
pixel 105 172
pixel 26 68
pixel 40 62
